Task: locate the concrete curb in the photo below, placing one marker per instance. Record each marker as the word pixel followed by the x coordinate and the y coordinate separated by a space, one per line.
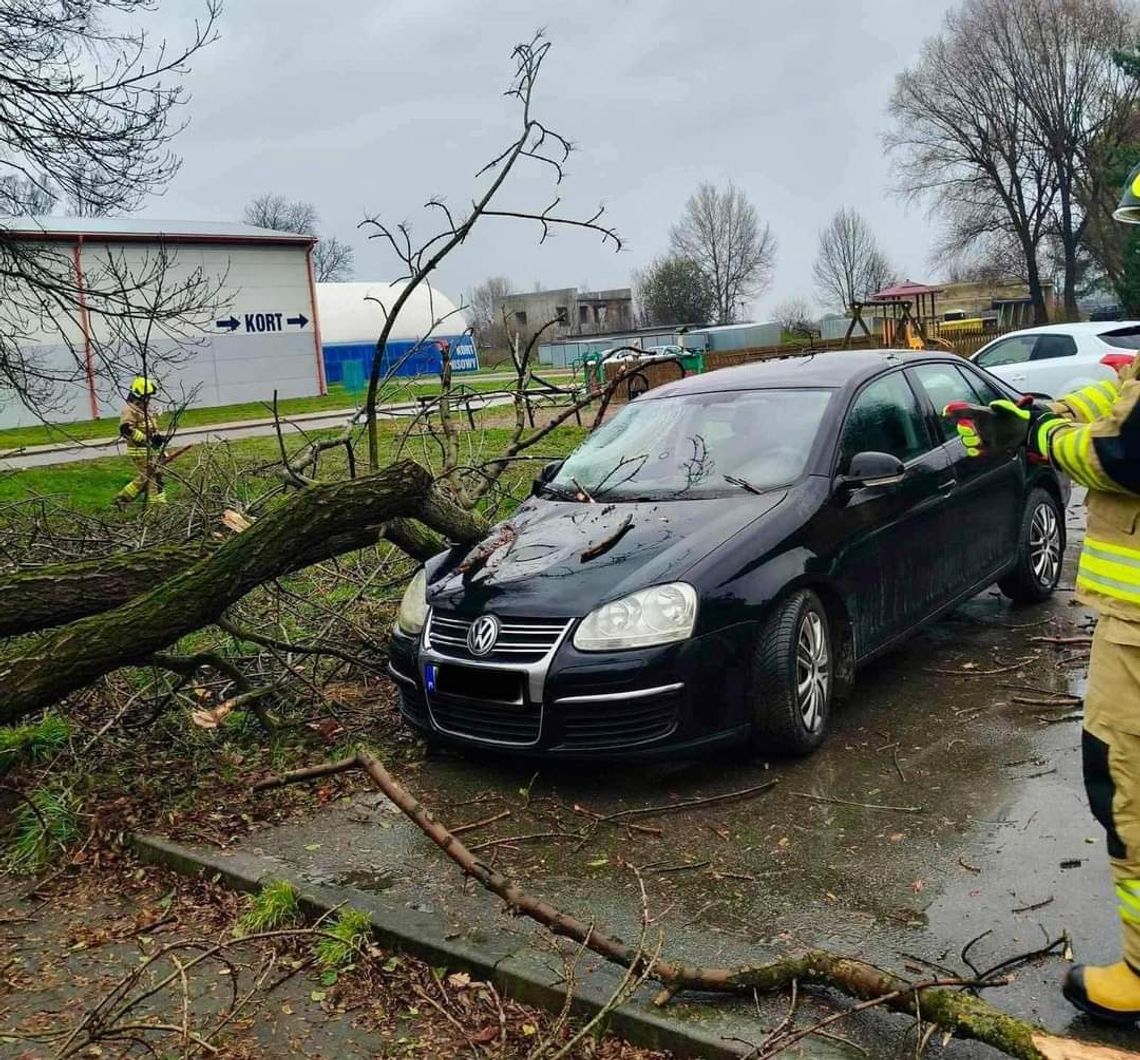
pixel 502 961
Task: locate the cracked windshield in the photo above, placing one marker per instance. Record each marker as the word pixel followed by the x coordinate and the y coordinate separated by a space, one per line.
pixel 701 445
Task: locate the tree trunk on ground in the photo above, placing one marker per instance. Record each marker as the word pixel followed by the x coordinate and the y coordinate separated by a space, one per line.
pixel 39 672
pixel 53 595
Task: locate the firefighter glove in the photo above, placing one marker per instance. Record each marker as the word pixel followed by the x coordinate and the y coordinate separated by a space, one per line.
pixel 158 440
pixel 1001 426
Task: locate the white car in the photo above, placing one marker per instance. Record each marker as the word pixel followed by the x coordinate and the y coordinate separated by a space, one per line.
pixel 650 353
pixel 1058 358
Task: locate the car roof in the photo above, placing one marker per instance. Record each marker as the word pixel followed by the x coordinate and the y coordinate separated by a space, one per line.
pixel 1079 327
pixel 833 368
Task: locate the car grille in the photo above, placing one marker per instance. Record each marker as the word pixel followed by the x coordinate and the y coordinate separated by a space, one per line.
pixel 616 723
pixel 487 721
pixel 521 640
pixel 412 706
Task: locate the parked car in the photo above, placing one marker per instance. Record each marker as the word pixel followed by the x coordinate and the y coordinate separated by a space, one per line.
pixel 650 353
pixel 712 564
pixel 1058 358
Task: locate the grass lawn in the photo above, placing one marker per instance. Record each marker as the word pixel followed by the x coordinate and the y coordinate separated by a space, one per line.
pixel 90 485
pixel 337 398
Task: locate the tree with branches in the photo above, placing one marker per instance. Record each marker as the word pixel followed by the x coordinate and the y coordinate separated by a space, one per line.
pixel 333 258
pixel 849 265
pixel 485 301
pixel 721 231
pixel 675 290
pixel 90 111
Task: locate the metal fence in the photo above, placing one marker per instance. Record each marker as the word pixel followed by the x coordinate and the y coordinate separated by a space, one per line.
pixel 657 373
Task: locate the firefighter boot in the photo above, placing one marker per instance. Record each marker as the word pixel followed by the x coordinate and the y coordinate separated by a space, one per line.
pixel 1110 993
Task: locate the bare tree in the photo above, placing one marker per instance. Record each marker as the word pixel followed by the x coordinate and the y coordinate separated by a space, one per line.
pixel 675 290
pixel 282 214
pixel 1058 56
pixel 721 232
pixel 963 141
pixel 794 315
pixel 849 265
pixel 89 112
pixel 536 142
pixel 333 260
pixel 485 301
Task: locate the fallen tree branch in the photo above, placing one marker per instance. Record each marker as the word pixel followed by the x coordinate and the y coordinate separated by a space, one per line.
pixel 41 672
pixel 956 1012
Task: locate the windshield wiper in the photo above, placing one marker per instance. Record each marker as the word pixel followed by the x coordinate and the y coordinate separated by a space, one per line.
pixel 743 483
pixel 559 493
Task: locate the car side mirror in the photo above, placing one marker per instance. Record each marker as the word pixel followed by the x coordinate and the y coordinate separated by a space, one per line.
pixel 873 469
pixel 544 476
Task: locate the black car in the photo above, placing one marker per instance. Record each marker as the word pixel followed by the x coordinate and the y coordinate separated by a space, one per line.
pixel 713 564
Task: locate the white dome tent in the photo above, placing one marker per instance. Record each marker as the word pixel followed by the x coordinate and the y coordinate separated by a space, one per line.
pixel 351 323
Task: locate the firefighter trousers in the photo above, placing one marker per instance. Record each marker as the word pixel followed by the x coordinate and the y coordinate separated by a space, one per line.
pixel 1111 757
pixel 149 479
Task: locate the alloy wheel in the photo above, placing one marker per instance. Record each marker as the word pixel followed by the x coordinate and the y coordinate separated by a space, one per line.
pixel 1045 545
pixel 813 670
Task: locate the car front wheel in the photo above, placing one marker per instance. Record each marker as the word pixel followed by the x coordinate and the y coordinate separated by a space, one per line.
pixel 1040 552
pixel 793 678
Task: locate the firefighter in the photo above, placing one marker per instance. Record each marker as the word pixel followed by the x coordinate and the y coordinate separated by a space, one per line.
pixel 138 421
pixel 1093 435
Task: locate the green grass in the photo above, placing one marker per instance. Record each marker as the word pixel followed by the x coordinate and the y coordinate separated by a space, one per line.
pixel 274 906
pixel 90 485
pixel 38 834
pixel 33 742
pixel 345 937
pixel 336 399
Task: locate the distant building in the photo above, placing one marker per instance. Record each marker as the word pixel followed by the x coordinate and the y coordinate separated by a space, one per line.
pixel 1005 302
pixel 260 333
pixel 352 320
pixel 578 312
pixel 565 352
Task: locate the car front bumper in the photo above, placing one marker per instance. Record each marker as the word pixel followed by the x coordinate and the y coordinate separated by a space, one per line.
pixel 677 699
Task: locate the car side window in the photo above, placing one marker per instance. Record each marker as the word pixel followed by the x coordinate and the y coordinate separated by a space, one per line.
pixel 945 383
pixel 884 418
pixel 1017 349
pixel 1050 346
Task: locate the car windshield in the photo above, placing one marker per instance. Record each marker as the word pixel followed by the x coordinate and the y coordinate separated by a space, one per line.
pixel 697 445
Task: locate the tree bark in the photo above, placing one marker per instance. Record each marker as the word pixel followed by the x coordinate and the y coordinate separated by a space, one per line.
pixel 37 673
pixel 62 592
pixel 48 596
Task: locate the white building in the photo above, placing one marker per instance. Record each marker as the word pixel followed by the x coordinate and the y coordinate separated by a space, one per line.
pixel 352 318
pixel 258 332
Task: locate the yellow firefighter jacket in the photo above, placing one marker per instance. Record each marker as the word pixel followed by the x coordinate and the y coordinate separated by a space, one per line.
pixel 137 424
pixel 1094 437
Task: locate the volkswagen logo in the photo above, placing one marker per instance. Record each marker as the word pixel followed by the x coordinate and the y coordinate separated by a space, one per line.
pixel 482 635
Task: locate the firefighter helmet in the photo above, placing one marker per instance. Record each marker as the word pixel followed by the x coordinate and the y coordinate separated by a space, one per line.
pixel 141 386
pixel 1129 209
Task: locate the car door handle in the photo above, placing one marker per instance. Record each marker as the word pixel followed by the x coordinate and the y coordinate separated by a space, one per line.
pixel 949 486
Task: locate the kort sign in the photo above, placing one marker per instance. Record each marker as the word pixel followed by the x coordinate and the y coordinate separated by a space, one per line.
pixel 258 323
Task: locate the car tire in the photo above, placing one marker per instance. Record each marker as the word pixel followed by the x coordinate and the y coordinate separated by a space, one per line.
pixel 793 681
pixel 1040 550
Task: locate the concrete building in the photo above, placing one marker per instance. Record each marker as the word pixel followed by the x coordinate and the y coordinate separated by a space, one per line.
pixel 1006 302
pixel 579 312
pixel 255 329
pixel 352 320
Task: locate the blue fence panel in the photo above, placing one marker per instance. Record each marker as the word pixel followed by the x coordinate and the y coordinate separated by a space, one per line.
pixel 348 362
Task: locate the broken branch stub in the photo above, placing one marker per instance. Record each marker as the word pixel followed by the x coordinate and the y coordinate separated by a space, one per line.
pixel 958 1013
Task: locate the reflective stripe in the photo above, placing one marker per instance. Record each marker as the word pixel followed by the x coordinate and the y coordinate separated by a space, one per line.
pixel 1127 916
pixel 1097 397
pixel 134 451
pixel 1083 410
pixel 1110 388
pixel 1045 432
pixel 1129 908
pixel 130 491
pixel 1117 553
pixel 1111 570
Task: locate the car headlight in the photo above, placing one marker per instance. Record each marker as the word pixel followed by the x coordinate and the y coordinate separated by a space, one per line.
pixel 659 615
pixel 412 615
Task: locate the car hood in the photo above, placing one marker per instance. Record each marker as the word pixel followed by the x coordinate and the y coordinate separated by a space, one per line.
pixel 563 558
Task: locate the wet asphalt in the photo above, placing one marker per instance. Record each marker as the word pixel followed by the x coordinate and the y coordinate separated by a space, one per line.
pixel 943 826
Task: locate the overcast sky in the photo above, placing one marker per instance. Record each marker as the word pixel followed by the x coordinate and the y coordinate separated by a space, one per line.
pixel 370 106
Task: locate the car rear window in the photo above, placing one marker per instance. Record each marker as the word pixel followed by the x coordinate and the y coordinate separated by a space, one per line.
pixel 1123 338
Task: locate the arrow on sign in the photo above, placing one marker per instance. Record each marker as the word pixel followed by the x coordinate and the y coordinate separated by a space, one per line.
pixel 230 325
pixel 300 321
